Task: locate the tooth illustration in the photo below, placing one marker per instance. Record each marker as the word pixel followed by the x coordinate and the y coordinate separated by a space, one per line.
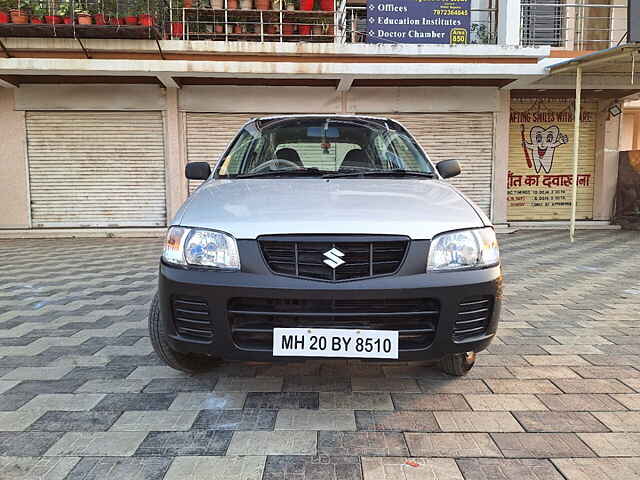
pixel 542 146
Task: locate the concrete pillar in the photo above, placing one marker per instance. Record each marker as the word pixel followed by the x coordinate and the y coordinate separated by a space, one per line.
pixel 509 22
pixel 14 194
pixel 606 162
pixel 501 157
pixel 176 183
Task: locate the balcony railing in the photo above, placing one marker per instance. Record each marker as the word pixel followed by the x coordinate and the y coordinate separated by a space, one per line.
pixel 583 25
pixel 318 21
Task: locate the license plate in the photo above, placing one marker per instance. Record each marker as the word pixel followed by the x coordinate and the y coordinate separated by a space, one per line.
pixel 334 342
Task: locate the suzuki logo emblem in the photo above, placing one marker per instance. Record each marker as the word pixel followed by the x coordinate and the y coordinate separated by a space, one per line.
pixel 333 258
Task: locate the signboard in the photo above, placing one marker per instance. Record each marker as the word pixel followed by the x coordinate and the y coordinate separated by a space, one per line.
pixel 418 21
pixel 540 173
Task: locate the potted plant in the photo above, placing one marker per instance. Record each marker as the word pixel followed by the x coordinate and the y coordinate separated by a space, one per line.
pixel 64 12
pixel 177 28
pixel 53 17
pixel 219 28
pixel 327 5
pixel 232 5
pixel 97 13
pixel 277 5
pixel 316 27
pixel 263 4
pixel 217 4
pixel 20 14
pixel 246 4
pixel 5 6
pixel 37 12
pixel 304 28
pixel 291 5
pixel 306 5
pixel 144 14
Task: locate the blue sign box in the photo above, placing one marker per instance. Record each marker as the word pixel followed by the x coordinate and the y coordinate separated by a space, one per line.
pixel 415 21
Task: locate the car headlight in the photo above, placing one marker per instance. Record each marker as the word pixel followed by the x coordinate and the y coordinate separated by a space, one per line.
pixel 464 249
pixel 202 248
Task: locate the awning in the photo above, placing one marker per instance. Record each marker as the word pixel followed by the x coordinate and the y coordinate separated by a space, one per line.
pixel 621 61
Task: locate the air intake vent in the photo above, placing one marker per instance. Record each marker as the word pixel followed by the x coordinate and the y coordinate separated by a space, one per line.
pixel 191 317
pixel 252 320
pixel 473 317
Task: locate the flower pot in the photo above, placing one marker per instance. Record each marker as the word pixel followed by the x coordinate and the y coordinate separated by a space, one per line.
pixel 291 7
pixel 188 3
pixel 131 19
pixel 219 28
pixel 237 28
pixel 316 30
pixel 52 19
pixel 263 4
pixel 19 16
pixel 177 29
pixel 306 5
pixel 272 30
pixel 246 4
pixel 36 19
pixel 277 5
pixel 67 20
pixel 217 4
pixel 304 29
pixel 327 5
pixel 98 19
pixel 232 4
pixel 4 17
pixel 84 19
pixel 145 20
pixel 287 29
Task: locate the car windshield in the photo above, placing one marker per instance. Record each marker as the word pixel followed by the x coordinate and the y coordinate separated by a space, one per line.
pixel 323 146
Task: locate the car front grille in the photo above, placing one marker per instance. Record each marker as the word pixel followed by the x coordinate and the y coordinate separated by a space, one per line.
pixel 191 317
pixel 252 320
pixel 473 317
pixel 305 257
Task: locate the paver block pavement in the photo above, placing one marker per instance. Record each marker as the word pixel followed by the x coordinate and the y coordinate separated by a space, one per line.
pixel 541 445
pixel 302 419
pixel 507 469
pixel 613 444
pixel 217 468
pixel 362 444
pixel 559 422
pixel 273 443
pixel 477 422
pixel 380 421
pixel 49 468
pixel 599 468
pixel 400 468
pixel 455 445
pixel 97 444
pixel 321 467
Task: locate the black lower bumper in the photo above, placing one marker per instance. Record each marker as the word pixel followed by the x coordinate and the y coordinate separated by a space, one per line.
pixel 216 290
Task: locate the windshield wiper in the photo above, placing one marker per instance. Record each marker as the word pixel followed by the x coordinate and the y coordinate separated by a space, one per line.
pixel 394 172
pixel 291 172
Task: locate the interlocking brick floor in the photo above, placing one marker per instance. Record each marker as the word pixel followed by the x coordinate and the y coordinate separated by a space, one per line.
pixel 83 396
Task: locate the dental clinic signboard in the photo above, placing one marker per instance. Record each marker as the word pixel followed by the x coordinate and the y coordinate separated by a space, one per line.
pixel 540 173
pixel 418 21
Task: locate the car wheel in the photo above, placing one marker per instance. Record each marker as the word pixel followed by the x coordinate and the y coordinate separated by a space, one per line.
pixel 457 364
pixel 189 363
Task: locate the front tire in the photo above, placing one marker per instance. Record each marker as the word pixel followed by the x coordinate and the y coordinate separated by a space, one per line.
pixel 457 364
pixel 189 363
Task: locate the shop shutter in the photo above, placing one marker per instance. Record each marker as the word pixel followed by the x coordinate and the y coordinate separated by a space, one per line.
pixel 209 134
pixel 467 137
pixel 96 169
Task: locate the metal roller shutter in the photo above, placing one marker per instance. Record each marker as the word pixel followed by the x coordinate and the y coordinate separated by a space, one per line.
pixel 96 169
pixel 208 135
pixel 467 137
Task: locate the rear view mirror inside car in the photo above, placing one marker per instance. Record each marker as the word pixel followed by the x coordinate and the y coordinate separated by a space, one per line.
pixel 329 132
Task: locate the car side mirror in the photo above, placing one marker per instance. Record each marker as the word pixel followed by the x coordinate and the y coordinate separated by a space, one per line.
pixel 448 168
pixel 197 170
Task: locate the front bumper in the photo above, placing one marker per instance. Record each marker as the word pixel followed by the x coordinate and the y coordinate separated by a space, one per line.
pixel 219 288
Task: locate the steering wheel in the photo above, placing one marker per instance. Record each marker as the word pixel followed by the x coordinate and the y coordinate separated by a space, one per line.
pixel 273 165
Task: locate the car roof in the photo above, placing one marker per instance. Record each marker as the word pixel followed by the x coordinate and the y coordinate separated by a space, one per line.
pixel 324 115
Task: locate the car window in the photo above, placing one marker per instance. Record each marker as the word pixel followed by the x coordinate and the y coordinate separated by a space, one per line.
pixel 329 144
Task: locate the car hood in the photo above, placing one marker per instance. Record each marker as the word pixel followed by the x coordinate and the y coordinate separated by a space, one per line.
pixel 248 208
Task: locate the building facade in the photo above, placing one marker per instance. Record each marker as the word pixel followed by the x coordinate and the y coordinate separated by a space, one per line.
pixel 97 131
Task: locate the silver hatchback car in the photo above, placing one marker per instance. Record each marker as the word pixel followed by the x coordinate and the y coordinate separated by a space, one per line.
pixel 326 236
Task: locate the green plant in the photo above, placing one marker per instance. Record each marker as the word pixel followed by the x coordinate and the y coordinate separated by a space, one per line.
pixel 6 5
pixel 480 33
pixel 38 9
pixel 64 9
